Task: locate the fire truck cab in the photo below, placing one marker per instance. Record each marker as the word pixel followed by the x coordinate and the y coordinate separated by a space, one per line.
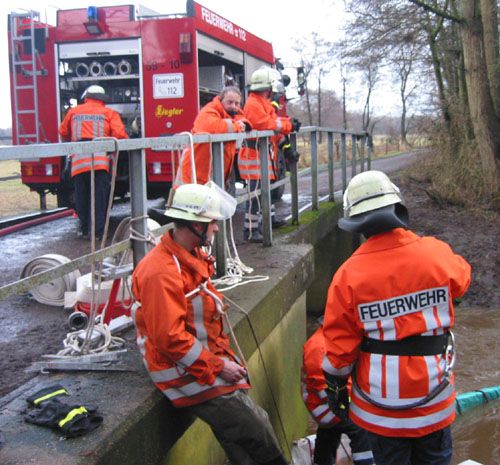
pixel 158 69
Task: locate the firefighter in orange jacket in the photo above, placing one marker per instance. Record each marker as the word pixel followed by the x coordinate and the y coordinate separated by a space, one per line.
pixel 222 115
pixel 87 121
pixel 178 316
pixel 262 116
pixel 387 323
pixel 330 426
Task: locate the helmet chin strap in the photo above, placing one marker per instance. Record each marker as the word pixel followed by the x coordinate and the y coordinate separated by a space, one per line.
pixel 203 236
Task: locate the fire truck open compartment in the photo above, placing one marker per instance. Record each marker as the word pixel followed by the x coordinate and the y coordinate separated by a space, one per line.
pixel 113 65
pixel 157 69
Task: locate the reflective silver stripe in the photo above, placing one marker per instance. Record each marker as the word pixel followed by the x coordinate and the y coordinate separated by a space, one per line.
pixel 80 161
pixel 322 395
pixel 97 125
pixel 250 172
pixel 362 455
pixel 193 388
pixel 443 395
pixel 278 124
pixel 392 376
pixel 192 355
pixel 327 418
pixel 319 410
pixel 375 375
pixel 229 125
pixel 305 394
pixel 249 161
pixel 328 367
pixel 251 220
pixel 402 423
pixel 166 375
pixel 199 323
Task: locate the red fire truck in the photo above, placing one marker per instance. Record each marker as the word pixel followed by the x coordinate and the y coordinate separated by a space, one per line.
pixel 158 69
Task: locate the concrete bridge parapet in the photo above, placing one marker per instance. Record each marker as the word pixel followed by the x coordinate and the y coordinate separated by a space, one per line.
pixel 140 425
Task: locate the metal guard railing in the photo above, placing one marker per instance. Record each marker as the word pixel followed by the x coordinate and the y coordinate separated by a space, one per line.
pixel 137 167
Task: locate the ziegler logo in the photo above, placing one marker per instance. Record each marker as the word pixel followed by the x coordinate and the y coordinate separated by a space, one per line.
pixel 169 112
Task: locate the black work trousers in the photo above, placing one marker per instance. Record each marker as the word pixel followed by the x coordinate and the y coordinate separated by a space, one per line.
pixel 81 183
pixel 432 449
pixel 242 428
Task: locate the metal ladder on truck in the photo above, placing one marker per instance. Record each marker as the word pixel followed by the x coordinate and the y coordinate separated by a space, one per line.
pixel 22 36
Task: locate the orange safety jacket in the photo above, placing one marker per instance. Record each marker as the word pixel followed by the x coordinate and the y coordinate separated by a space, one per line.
pixel 395 285
pixel 212 119
pixel 262 116
pixel 181 338
pixel 313 381
pixel 87 121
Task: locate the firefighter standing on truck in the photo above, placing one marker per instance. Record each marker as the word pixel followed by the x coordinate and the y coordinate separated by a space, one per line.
pixel 262 116
pixel 85 122
pixel 222 115
pixel 387 324
pixel 178 316
pixel 330 426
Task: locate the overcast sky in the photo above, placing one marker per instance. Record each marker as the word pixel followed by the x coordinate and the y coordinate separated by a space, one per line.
pixel 276 21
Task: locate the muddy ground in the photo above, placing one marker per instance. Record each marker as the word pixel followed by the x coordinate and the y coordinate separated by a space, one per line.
pixel 473 235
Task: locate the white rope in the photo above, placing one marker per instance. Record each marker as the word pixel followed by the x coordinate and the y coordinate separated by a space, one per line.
pixel 193 165
pixel 235 268
pixel 219 305
pixel 75 343
pixel 51 293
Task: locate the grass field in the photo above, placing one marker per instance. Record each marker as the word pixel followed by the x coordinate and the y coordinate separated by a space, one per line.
pixel 15 197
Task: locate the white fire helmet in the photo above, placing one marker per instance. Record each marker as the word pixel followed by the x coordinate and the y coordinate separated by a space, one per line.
pixel 369 191
pixel 198 202
pixel 96 92
pixel 262 79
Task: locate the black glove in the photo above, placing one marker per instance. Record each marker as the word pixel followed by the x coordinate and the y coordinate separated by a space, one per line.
pixel 72 420
pixel 291 155
pixel 338 397
pixel 44 395
pixel 296 124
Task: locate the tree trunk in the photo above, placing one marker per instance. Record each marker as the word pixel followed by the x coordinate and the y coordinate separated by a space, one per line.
pixel 484 120
pixel 489 19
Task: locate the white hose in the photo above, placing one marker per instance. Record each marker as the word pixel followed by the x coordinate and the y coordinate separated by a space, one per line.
pixel 51 293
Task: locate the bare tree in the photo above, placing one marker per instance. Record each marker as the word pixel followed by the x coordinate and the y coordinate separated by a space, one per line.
pixel 314 52
pixel 478 32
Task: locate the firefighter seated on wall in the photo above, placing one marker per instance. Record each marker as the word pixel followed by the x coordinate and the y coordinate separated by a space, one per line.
pixel 185 349
pixel 85 122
